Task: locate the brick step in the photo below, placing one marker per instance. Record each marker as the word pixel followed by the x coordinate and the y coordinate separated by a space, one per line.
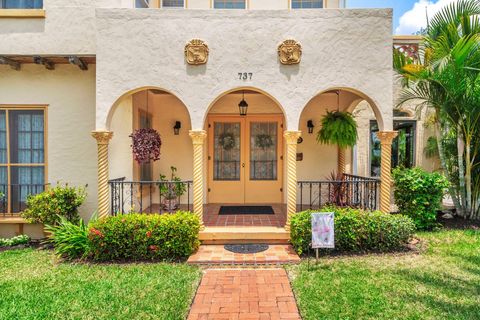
pixel 218 255
pixel 234 235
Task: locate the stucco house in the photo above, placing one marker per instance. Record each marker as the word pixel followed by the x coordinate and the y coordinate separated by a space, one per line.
pixel 236 89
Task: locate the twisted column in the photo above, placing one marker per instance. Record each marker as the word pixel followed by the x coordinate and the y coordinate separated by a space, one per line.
pixel 198 138
pixel 386 138
pixel 291 138
pixel 341 161
pixel 103 138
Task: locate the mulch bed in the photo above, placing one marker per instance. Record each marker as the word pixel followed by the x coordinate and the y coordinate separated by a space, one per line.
pixel 458 223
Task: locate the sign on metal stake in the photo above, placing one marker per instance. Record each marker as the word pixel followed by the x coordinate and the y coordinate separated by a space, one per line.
pixel 323 231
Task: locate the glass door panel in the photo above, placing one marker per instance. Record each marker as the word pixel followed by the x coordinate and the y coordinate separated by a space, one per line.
pixel 226 155
pixel 263 150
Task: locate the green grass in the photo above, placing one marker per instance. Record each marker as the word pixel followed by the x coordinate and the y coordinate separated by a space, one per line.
pixel 442 282
pixel 34 285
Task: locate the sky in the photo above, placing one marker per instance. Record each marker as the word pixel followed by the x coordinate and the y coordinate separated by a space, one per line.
pixel 409 16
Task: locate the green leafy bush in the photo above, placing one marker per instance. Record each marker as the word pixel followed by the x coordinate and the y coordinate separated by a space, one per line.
pixel 144 237
pixel 48 206
pixel 69 239
pixel 355 230
pixel 21 239
pixel 418 194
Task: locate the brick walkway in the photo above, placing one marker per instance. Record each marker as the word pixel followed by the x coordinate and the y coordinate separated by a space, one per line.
pixel 244 294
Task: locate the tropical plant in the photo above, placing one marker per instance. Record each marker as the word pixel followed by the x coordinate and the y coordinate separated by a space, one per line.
pixel 173 188
pixel 146 145
pixel 419 194
pixel 446 79
pixel 59 201
pixel 339 128
pixel 69 239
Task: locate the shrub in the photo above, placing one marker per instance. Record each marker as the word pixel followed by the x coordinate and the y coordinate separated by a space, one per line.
pixel 419 194
pixel 355 230
pixel 69 239
pixel 59 201
pixel 21 239
pixel 144 237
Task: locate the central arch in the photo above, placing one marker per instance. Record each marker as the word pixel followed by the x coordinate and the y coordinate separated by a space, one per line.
pixel 245 152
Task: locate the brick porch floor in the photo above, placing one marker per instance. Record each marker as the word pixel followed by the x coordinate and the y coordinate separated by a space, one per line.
pixel 244 294
pixel 216 254
pixel 212 219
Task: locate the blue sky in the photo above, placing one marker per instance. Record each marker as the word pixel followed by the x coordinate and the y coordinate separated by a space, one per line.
pixel 408 15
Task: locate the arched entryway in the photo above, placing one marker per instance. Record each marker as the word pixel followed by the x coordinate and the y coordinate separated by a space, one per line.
pixel 323 164
pixel 134 186
pixel 245 148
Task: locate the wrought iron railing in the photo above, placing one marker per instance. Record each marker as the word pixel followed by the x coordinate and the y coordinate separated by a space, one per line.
pixel 149 196
pixel 13 197
pixel 349 191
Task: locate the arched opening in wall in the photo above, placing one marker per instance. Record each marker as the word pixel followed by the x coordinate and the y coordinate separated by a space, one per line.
pixel 319 172
pixel 319 161
pixel 144 187
pixel 245 149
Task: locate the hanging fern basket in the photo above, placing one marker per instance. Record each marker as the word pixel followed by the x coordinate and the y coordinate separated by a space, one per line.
pixel 338 128
pixel 146 145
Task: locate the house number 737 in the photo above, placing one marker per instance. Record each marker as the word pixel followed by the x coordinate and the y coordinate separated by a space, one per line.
pixel 245 75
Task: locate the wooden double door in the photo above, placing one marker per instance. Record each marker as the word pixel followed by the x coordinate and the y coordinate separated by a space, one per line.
pixel 245 159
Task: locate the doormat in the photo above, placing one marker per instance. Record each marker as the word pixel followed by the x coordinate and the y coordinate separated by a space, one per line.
pixel 246 248
pixel 231 210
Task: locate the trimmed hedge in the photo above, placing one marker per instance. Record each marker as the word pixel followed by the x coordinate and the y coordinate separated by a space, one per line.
pixel 355 230
pixel 144 237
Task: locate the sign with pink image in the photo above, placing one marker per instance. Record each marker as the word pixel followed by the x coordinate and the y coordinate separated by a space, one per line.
pixel 323 231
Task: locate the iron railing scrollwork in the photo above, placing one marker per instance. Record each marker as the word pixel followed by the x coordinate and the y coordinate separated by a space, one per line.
pixel 149 196
pixel 349 191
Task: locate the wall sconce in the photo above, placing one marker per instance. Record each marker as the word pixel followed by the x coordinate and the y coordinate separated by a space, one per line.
pixel 176 128
pixel 310 126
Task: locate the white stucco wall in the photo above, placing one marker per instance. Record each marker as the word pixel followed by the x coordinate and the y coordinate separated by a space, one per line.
pixel 70 96
pixel 341 48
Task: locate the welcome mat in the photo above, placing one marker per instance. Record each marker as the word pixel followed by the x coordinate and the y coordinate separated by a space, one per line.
pixel 231 210
pixel 246 248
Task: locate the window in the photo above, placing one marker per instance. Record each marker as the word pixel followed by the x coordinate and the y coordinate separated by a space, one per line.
pixel 21 4
pixel 403 146
pixel 142 3
pixel 22 156
pixel 172 3
pixel 229 4
pixel 307 4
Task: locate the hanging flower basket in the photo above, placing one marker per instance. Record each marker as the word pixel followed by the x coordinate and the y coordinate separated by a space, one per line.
pixel 146 145
pixel 227 141
pixel 263 141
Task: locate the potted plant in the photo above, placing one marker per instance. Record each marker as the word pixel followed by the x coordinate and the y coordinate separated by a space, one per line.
pixel 146 145
pixel 171 190
pixel 338 128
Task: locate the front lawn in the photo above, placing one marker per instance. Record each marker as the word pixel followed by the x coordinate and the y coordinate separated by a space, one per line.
pixel 443 282
pixel 33 285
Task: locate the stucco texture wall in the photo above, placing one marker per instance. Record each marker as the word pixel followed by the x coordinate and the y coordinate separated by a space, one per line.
pixel 70 96
pixel 341 48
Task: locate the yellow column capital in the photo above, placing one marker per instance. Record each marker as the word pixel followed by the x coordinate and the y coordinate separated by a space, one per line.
pixel 198 136
pixel 291 137
pixel 102 137
pixel 386 137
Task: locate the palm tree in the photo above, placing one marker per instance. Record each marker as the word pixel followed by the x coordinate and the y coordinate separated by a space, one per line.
pixel 446 78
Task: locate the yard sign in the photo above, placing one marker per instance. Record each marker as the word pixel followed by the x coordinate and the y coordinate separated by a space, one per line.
pixel 323 228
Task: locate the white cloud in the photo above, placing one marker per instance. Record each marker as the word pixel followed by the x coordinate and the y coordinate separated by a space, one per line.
pixel 415 19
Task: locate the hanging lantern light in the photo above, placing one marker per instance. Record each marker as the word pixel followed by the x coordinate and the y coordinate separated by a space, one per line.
pixel 310 126
pixel 243 105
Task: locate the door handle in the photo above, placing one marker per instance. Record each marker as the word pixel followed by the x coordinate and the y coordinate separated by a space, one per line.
pixel 243 165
